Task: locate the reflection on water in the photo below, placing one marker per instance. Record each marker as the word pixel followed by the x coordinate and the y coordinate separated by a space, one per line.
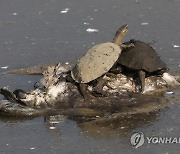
pixel 122 126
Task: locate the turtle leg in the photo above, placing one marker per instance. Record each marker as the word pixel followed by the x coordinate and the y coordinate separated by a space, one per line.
pixel 83 91
pixel 99 87
pixel 142 75
pixel 125 46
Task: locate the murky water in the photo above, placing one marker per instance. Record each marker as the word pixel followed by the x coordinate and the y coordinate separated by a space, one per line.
pixel 49 31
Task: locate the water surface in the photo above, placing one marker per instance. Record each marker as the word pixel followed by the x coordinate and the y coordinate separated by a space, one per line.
pixel 49 31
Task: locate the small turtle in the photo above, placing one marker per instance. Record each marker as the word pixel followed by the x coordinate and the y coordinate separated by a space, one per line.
pixel 143 59
pixel 99 60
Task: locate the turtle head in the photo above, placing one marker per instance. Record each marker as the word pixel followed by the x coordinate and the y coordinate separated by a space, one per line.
pixel 123 30
pixel 120 33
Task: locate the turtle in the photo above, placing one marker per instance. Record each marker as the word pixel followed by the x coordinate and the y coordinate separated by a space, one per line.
pixel 143 59
pixel 99 60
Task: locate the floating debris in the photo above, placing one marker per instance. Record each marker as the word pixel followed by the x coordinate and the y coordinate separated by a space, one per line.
pixel 86 23
pixel 52 127
pixel 4 67
pixel 176 46
pixel 144 23
pixel 32 148
pixel 92 30
pixel 15 14
pixel 169 92
pixel 67 63
pixel 66 10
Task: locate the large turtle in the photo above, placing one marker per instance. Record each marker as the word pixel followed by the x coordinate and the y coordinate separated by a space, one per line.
pixel 99 60
pixel 143 59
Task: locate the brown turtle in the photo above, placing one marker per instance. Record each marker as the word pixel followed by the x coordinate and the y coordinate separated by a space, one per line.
pixel 143 59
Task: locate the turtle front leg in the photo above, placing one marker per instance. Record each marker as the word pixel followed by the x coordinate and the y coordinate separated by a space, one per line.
pixel 126 46
pixel 142 75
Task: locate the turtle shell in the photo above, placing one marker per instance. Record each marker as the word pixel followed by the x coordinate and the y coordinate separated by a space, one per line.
pixel 96 62
pixel 141 56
